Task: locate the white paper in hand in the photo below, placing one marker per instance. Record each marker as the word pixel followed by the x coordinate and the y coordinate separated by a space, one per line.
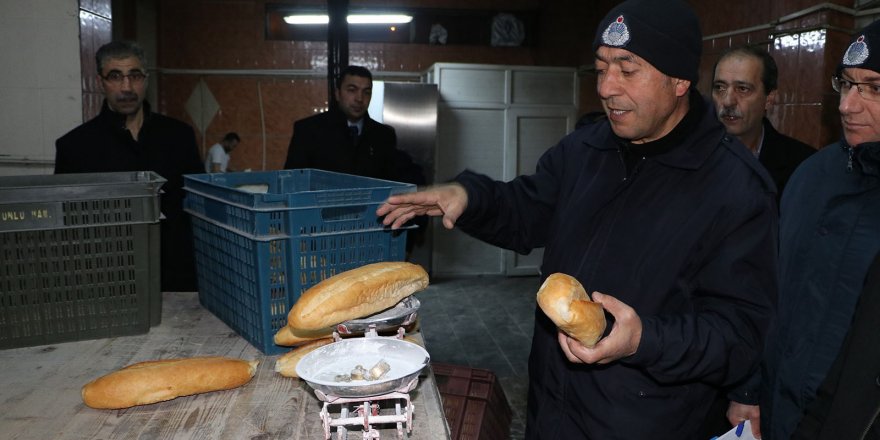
pixel 746 433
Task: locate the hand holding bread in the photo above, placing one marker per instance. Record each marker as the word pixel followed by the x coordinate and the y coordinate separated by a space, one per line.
pixel 564 300
pixel 156 381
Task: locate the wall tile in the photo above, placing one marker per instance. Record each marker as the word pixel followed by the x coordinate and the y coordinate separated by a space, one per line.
pixel 202 34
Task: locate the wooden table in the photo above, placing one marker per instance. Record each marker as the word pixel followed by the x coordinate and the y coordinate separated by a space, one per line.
pixel 40 390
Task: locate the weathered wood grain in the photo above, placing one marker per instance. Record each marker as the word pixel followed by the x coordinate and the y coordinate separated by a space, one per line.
pixel 40 390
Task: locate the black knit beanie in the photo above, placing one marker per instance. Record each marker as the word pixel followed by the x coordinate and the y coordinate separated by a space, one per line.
pixel 666 33
pixel 863 49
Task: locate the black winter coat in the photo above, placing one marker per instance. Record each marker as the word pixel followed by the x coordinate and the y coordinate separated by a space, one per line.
pixel 164 145
pixel 687 240
pixel 781 155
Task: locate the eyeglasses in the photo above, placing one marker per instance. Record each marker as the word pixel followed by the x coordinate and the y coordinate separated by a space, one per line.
pixel 117 77
pixel 869 91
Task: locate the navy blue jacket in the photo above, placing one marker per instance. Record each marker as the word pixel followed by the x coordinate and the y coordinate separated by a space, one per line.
pixel 847 404
pixel 687 240
pixel 829 234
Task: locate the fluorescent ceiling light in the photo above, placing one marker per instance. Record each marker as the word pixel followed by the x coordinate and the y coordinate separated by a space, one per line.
pixel 352 19
pixel 379 19
pixel 307 19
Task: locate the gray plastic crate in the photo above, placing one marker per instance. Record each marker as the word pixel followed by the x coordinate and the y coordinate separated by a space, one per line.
pixel 79 257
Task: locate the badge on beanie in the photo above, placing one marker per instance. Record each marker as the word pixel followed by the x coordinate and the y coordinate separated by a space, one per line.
pixel 857 52
pixel 617 34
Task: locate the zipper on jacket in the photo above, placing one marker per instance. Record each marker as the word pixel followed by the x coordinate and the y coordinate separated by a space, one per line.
pixel 849 159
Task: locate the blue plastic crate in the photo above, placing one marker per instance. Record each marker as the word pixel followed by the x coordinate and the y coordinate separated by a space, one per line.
pixel 257 252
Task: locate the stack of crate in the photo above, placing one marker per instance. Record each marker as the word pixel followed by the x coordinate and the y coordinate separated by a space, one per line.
pixel 473 402
pixel 79 257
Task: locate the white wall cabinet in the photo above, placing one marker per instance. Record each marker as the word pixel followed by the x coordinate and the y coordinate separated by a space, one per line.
pixel 495 120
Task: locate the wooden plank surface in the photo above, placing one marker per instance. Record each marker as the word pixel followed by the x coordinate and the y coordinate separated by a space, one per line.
pixel 40 390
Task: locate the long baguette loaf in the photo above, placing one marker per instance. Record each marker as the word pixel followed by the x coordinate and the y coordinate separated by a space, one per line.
pixel 564 300
pixel 288 336
pixel 156 381
pixel 286 364
pixel 356 293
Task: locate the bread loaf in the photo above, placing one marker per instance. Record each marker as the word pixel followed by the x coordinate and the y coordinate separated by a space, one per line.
pixel 564 300
pixel 356 293
pixel 288 336
pixel 156 381
pixel 286 364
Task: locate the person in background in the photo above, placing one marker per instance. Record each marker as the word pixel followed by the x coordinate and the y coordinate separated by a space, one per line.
pixel 829 234
pixel 345 139
pixel 128 136
pixel 217 159
pixel 670 223
pixel 743 88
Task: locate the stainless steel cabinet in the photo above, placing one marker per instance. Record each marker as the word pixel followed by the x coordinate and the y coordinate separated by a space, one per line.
pixel 496 120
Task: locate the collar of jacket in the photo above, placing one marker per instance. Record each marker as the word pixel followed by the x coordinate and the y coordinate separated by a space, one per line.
pixel 866 155
pixel 117 120
pixel 769 130
pixel 342 121
pixel 697 144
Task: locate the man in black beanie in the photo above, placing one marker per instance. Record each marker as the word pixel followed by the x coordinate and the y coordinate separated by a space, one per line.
pixel 819 359
pixel 672 220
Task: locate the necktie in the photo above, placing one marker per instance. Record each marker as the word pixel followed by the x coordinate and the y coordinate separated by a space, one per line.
pixel 353 133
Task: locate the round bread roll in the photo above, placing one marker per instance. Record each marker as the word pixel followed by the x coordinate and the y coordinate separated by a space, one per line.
pixel 564 300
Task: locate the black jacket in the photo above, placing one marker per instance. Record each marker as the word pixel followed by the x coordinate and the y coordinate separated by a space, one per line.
pixel 687 240
pixel 781 154
pixel 848 401
pixel 164 145
pixel 322 141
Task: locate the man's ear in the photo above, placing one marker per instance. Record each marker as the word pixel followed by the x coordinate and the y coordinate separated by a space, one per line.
pixel 771 100
pixel 681 86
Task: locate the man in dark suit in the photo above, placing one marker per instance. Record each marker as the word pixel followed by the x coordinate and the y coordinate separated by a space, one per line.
pixel 345 139
pixel 743 87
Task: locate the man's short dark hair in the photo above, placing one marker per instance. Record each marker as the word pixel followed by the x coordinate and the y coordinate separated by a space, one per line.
pixel 119 49
pixel 360 71
pixel 231 136
pixel 769 72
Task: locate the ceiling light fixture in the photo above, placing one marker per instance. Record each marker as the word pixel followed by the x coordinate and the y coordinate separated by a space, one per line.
pixel 307 19
pixel 352 19
pixel 379 19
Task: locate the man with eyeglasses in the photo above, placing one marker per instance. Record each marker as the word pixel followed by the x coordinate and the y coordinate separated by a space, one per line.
pixel 819 359
pixel 128 136
pixel 743 87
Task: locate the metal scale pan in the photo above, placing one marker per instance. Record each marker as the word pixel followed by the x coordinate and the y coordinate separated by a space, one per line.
pixel 321 367
pixel 402 314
